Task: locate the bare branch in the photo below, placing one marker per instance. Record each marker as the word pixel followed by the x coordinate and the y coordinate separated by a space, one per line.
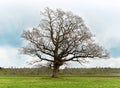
pixel 43 58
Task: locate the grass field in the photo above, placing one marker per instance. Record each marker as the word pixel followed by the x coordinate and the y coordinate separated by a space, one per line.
pixel 62 82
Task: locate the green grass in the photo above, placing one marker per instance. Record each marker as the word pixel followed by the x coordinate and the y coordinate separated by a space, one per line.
pixel 62 82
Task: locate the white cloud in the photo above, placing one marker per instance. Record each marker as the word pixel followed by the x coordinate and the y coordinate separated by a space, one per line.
pixel 9 57
pixel 112 62
pixel 111 37
pixel 63 3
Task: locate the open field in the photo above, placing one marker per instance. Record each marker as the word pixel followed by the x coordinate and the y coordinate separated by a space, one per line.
pixel 61 82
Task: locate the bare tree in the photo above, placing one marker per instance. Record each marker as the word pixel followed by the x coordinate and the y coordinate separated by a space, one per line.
pixel 61 37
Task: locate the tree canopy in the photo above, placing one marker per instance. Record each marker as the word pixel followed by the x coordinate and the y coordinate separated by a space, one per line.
pixel 61 37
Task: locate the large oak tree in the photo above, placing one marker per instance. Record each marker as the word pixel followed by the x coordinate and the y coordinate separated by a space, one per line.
pixel 61 37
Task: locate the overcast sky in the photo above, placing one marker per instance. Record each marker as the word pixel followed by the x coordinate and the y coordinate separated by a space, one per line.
pixel 101 16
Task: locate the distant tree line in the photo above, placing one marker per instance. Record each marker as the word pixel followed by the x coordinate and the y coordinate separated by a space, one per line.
pixel 45 71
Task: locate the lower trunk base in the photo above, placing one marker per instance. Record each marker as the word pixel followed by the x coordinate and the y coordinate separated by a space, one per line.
pixel 53 76
pixel 55 73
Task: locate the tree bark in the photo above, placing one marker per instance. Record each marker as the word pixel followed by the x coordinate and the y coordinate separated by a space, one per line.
pixel 55 72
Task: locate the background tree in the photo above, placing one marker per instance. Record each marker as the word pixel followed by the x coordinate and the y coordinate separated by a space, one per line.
pixel 61 37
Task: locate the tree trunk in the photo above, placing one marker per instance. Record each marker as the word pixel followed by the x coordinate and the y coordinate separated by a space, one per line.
pixel 55 72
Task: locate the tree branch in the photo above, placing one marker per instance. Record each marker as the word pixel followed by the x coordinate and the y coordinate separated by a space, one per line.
pixel 43 58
